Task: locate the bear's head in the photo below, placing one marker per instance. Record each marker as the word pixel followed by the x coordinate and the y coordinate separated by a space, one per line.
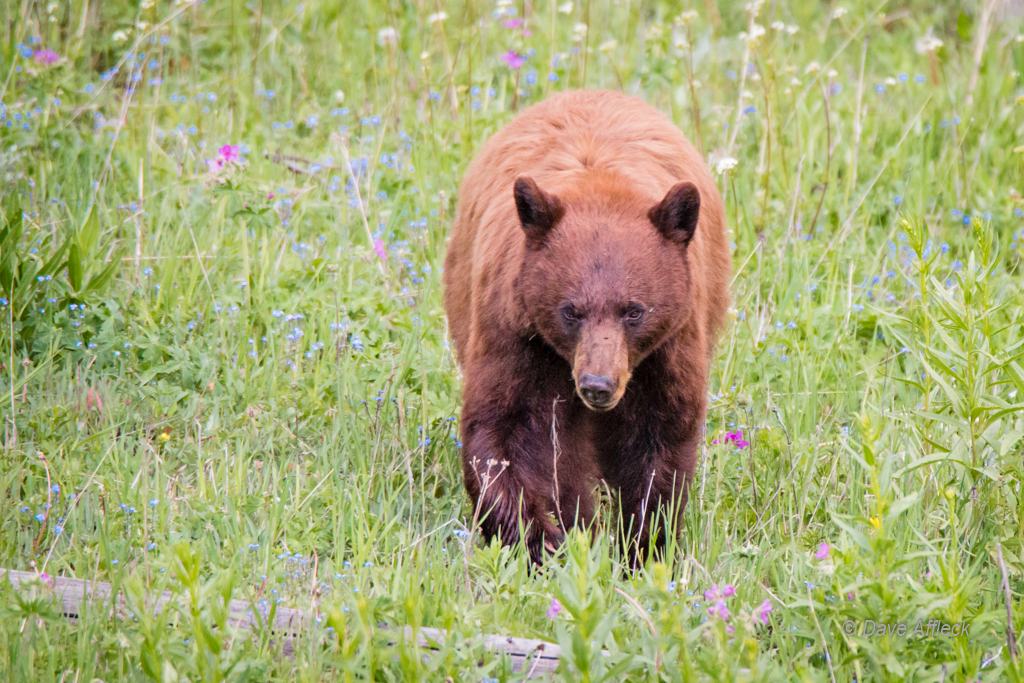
pixel 605 277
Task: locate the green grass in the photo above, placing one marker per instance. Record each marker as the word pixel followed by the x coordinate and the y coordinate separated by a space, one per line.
pixel 169 423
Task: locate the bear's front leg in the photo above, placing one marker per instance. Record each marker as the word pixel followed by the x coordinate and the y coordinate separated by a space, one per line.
pixel 649 446
pixel 507 453
pixel 653 497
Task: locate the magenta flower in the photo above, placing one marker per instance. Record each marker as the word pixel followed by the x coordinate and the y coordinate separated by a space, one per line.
pixel 46 56
pixel 823 551
pixel 716 594
pixel 733 438
pixel 513 23
pixel 554 609
pixel 378 247
pixel 762 611
pixel 720 610
pixel 229 153
pixel 215 165
pixel 513 60
pixel 47 579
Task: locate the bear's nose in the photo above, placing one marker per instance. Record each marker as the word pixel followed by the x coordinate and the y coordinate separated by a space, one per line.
pixel 597 390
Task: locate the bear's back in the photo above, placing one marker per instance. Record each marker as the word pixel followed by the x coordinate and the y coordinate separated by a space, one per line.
pixel 563 137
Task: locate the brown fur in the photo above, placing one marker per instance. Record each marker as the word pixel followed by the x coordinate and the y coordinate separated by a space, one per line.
pixel 543 278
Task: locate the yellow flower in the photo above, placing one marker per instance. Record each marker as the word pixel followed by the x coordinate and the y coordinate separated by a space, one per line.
pixel 164 437
pixel 876 523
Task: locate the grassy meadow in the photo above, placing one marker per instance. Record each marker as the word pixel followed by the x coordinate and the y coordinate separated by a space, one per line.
pixel 224 368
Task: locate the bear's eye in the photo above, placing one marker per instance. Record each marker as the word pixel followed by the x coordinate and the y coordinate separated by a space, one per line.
pixel 570 314
pixel 634 313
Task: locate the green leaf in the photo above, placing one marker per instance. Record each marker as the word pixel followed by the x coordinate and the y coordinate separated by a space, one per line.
pixel 98 282
pixel 75 267
pixel 14 215
pixel 53 265
pixel 856 536
pixel 90 231
pixel 902 505
pixel 927 460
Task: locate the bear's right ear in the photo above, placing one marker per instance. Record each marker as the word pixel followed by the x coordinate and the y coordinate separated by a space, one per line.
pixel 676 215
pixel 538 211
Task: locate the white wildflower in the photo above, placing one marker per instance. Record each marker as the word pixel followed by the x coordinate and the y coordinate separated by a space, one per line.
pixel 436 17
pixel 812 68
pixel 120 36
pixel 387 36
pixel 928 42
pixel 756 31
pixel 565 7
pixel 778 26
pixel 725 164
pixel 838 12
pixel 607 46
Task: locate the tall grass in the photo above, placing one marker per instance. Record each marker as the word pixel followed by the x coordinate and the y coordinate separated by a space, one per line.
pixel 225 368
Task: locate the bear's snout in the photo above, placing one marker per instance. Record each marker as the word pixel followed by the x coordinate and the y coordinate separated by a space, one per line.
pixel 597 391
pixel 601 365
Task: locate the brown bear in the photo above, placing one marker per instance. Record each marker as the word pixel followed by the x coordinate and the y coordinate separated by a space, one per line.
pixel 586 280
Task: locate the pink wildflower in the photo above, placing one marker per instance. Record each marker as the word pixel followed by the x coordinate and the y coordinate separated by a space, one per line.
pixel 527 33
pixel 733 438
pixel 762 611
pixel 554 609
pixel 720 610
pixel 229 153
pixel 215 165
pixel 270 196
pixel 513 23
pixel 715 593
pixel 823 551
pixel 513 59
pixel 47 579
pixel 46 56
pixel 378 247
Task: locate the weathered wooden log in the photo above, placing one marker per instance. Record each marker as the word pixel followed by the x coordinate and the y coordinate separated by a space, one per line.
pixel 536 657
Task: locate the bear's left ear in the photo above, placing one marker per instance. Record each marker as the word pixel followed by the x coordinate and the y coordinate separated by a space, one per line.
pixel 676 216
pixel 538 211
